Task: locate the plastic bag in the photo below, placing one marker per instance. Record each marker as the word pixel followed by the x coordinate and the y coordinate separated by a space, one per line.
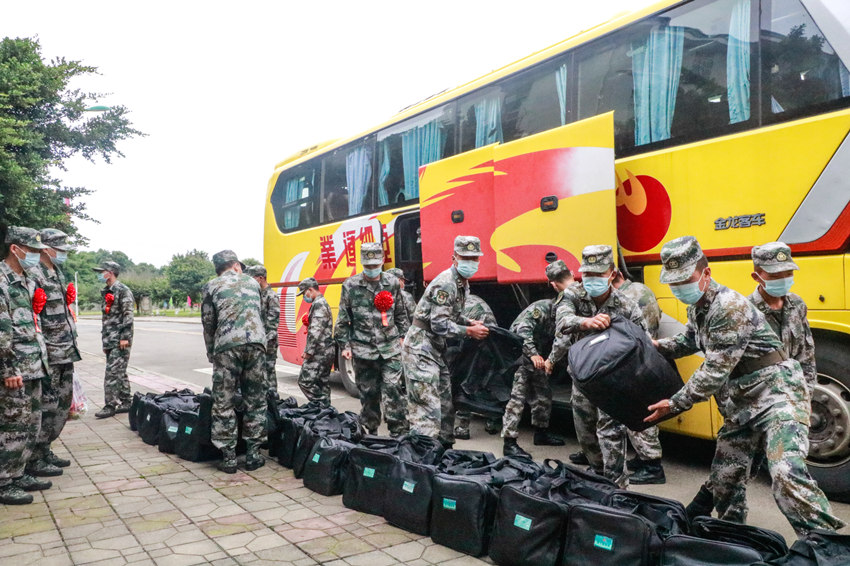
pixel 79 403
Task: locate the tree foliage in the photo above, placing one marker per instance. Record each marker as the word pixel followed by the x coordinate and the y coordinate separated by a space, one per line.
pixel 187 274
pixel 42 124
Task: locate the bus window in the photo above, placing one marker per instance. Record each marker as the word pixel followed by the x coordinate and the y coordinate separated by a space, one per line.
pixel 799 69
pixel 293 197
pixel 481 119
pixel 403 148
pixel 347 182
pixel 535 102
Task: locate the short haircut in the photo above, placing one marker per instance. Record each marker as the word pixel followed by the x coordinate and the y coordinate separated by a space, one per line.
pixel 563 276
pixel 225 266
pixel 702 263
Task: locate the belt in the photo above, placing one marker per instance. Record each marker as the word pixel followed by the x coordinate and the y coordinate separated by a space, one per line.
pixel 745 367
pixel 421 324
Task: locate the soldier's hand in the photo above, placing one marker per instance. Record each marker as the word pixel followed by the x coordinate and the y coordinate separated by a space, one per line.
pixel 660 410
pixel 477 331
pixel 655 343
pixel 346 354
pixel 549 366
pixel 538 361
pixel 14 382
pixel 123 344
pixel 306 356
pixel 599 322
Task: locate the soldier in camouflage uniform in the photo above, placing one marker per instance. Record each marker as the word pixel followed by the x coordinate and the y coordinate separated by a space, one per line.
pixel 475 308
pixel 760 392
pixel 271 319
pixel 373 341
pixel 236 345
pixel 314 379
pixel 409 301
pixel 580 311
pixel 23 366
pixel 60 336
pixel 117 337
pixel 439 316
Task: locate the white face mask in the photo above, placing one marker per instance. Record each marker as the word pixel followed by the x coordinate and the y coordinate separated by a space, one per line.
pixel 61 258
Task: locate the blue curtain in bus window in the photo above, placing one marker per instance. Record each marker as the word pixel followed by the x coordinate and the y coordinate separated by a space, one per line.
pixel 383 196
pixel 358 173
pixel 293 193
pixel 656 67
pixel 488 121
pixel 419 146
pixel 738 63
pixel 844 77
pixel 561 85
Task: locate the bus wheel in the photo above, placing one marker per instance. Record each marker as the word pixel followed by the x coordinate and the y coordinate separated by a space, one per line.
pixel 346 375
pixel 829 433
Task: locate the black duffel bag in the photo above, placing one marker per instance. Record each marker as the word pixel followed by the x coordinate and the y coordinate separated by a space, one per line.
pixel 685 550
pixel 369 467
pixel 344 426
pixel 291 421
pixel 818 548
pixel 194 432
pixel 668 515
pixel 273 412
pixel 169 426
pixel 135 405
pixel 770 544
pixel 326 467
pixel 621 372
pixel 604 536
pixel 483 371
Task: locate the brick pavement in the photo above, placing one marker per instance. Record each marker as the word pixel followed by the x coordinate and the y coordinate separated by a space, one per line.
pixel 124 502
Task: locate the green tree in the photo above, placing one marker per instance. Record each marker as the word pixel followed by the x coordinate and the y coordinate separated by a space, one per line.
pixel 187 273
pixel 249 261
pixel 42 124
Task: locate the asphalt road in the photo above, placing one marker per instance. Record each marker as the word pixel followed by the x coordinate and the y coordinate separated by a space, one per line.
pixel 175 348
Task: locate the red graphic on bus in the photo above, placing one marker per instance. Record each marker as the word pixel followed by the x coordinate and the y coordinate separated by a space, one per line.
pixel 643 212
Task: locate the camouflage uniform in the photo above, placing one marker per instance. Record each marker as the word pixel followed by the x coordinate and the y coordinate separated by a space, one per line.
pixel 270 304
pixel 438 317
pixel 760 395
pixel 117 326
pixel 602 439
pixel 319 350
pixel 236 340
pixel 22 352
pixel 536 325
pixel 375 348
pixel 407 298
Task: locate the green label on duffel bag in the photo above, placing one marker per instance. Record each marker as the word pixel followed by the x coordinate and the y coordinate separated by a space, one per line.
pixel 369 472
pixel 188 430
pixel 172 429
pixel 408 486
pixel 316 457
pixel 449 504
pixel 522 522
pixel 603 542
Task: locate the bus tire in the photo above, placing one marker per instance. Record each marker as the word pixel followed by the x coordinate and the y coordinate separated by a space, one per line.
pixel 346 376
pixel 829 433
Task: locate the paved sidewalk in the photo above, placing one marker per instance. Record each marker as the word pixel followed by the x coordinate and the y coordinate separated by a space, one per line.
pixel 124 502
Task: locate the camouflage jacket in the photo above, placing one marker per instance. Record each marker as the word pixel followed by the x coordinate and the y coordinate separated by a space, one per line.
pixel 22 349
pixel 728 328
pixel 645 298
pixel 574 305
pixel 792 327
pixel 477 308
pixel 118 324
pixel 536 325
pixel 409 304
pixel 359 325
pixel 57 322
pixel 270 305
pixel 441 307
pixel 320 333
pixel 230 313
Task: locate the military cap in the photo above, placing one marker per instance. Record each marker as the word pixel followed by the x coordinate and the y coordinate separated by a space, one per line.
pixel 468 246
pixel 108 266
pixel 224 257
pixel 23 236
pixel 397 273
pixel 596 259
pixel 371 254
pixel 56 239
pixel 773 257
pixel 679 258
pixel 556 270
pixel 308 283
pixel 256 271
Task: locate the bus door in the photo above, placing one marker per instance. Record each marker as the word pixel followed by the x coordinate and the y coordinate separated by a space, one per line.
pixel 408 250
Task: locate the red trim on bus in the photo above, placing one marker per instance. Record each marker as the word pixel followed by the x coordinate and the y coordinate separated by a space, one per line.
pixel 295 283
pixel 835 239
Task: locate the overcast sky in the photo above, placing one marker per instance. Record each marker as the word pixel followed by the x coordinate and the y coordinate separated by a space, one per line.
pixel 225 92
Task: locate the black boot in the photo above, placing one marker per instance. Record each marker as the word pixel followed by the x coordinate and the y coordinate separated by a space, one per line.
pixel 542 437
pixel 702 505
pixel 228 461
pixel 579 459
pixel 253 458
pixel 493 426
pixel 511 448
pixel 650 472
pixel 106 412
pixel 11 494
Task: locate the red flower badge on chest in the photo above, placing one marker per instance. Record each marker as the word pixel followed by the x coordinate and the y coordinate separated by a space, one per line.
pixel 39 299
pixel 305 320
pixel 384 302
pixel 70 294
pixel 109 298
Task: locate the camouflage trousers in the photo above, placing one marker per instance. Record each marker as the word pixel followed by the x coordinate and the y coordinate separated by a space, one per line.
pixel 238 370
pixel 533 385
pixel 269 363
pixel 20 422
pixel 314 378
pixel 602 439
pixel 429 392
pixel 56 393
pixel 381 388
pixel 786 444
pixel 116 385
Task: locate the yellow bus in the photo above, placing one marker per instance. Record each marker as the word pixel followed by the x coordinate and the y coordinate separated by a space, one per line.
pixel 724 119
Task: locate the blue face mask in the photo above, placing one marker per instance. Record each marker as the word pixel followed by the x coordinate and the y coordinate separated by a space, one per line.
pixel 595 286
pixel 372 273
pixel 61 258
pixel 101 277
pixel 30 260
pixel 689 293
pixel 307 299
pixel 467 268
pixel 778 287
